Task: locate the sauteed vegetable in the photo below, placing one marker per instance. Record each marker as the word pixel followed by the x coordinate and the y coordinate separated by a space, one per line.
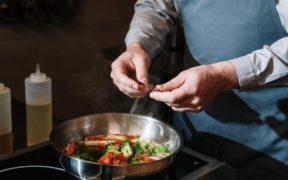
pixel 116 149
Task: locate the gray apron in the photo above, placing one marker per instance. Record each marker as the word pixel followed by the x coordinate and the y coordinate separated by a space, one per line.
pixel 218 30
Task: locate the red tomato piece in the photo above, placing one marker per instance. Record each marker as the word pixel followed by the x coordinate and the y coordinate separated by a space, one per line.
pixel 97 137
pixel 101 145
pixel 131 136
pixel 148 160
pixel 107 158
pixel 128 136
pixel 70 148
pixel 116 161
pixel 117 141
pixel 121 157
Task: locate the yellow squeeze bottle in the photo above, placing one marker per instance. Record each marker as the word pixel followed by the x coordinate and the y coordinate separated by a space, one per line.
pixel 6 140
pixel 38 97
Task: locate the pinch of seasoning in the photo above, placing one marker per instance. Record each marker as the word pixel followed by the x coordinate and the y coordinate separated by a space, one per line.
pixel 150 87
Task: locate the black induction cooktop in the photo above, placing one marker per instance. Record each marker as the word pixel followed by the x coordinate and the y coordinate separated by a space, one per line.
pixel 43 161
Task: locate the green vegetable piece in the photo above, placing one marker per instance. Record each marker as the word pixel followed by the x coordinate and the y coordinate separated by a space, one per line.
pixel 111 147
pixel 126 149
pixel 156 148
pixel 141 147
pixel 133 161
pixel 85 156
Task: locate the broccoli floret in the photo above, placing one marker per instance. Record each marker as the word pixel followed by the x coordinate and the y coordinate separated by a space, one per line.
pixel 156 148
pixel 111 147
pixel 133 161
pixel 141 147
pixel 126 149
pixel 85 156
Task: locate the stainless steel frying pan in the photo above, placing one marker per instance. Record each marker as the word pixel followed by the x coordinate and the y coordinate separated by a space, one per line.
pixel 147 127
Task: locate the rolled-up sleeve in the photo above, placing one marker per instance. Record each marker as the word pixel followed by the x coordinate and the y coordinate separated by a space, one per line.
pixel 151 22
pixel 264 67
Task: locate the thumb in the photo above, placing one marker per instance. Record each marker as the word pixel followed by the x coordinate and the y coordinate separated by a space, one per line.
pixel 170 85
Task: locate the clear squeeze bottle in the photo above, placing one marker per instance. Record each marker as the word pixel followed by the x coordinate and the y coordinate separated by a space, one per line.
pixel 38 96
pixel 6 140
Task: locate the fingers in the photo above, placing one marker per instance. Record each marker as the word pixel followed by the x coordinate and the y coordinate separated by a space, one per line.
pixel 120 72
pixel 123 72
pixel 141 68
pixel 192 101
pixel 192 105
pixel 170 85
pixel 170 92
pixel 122 79
pixel 178 100
pixel 129 87
pixel 188 109
pixel 133 93
pixel 140 61
pixel 174 96
pixel 130 73
pixel 129 90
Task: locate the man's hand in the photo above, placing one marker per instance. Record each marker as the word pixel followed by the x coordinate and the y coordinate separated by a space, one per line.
pixel 130 71
pixel 193 89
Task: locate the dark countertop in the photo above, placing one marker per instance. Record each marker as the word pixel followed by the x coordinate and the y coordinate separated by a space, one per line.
pixel 76 55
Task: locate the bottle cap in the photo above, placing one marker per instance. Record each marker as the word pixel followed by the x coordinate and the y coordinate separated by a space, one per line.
pixel 38 76
pixel 3 88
